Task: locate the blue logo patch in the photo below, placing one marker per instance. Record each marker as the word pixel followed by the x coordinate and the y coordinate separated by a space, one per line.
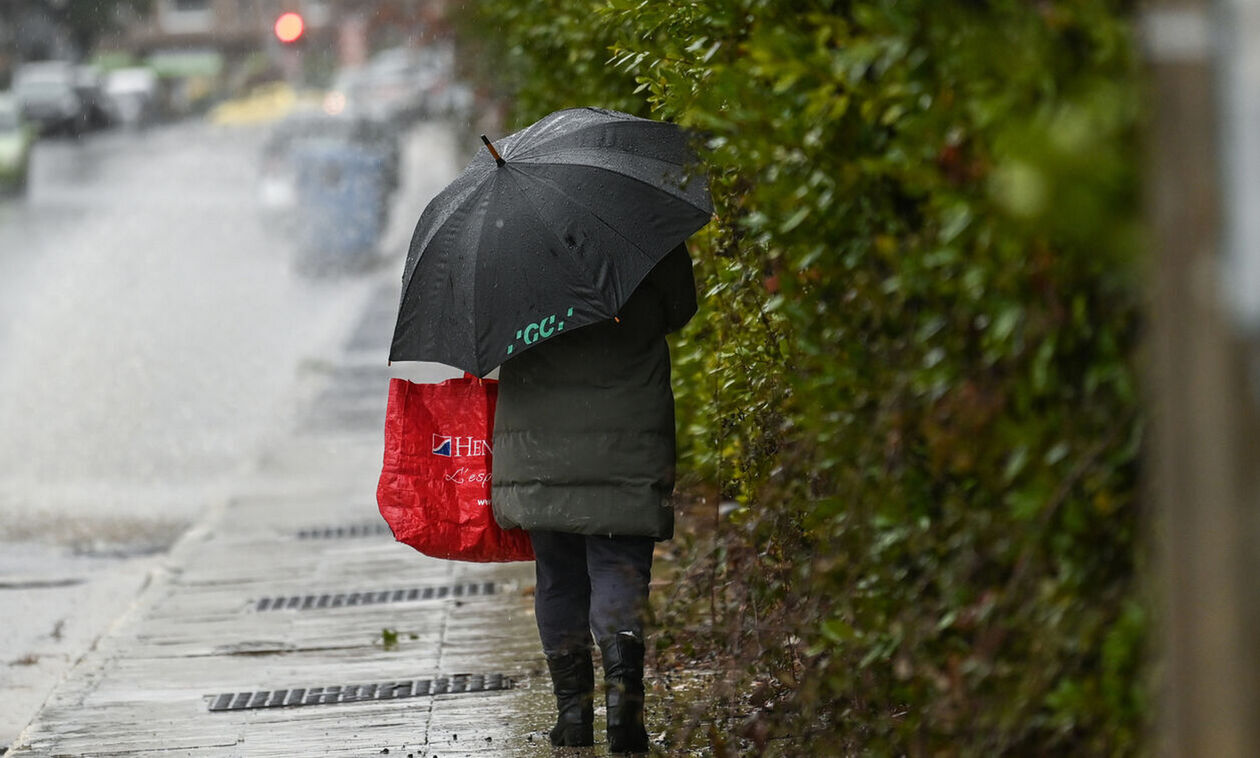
pixel 453 446
pixel 441 445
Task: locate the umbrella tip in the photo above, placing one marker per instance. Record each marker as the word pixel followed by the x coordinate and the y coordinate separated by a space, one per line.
pixel 497 158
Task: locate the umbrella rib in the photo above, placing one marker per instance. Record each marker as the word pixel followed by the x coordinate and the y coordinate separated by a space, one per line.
pixel 472 192
pixel 410 274
pixel 544 132
pixel 629 177
pixel 553 232
pixel 541 135
pixel 476 274
pixel 533 152
pixel 560 191
pixel 456 199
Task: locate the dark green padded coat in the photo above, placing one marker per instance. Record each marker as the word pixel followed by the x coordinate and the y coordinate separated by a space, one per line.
pixel 584 428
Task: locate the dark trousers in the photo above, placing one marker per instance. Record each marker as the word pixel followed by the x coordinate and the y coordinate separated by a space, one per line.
pixel 588 585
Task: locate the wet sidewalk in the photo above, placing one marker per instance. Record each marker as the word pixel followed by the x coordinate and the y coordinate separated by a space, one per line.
pixel 289 623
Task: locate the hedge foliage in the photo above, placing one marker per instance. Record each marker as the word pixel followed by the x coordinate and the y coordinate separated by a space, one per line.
pixel 912 378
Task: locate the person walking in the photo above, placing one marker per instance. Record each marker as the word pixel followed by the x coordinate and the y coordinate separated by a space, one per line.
pixel 584 457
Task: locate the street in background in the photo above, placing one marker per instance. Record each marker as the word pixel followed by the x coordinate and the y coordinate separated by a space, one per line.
pixel 153 337
pixel 49 96
pixel 153 334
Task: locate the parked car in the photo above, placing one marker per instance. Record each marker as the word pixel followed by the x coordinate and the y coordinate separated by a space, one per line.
pixel 15 144
pixel 89 83
pixel 400 84
pixel 48 97
pixel 391 88
pixel 131 96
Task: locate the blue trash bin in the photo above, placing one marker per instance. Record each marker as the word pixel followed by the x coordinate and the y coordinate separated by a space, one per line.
pixel 341 202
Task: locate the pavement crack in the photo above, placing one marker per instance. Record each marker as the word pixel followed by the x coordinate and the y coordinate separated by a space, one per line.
pixel 447 611
pixel 40 584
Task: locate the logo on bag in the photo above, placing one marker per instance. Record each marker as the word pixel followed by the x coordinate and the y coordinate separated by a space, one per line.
pixel 459 447
pixel 464 476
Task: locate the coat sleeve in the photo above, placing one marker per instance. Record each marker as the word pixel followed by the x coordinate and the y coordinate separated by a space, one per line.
pixel 676 281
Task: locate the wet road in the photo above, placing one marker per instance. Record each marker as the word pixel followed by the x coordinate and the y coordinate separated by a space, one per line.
pixel 150 323
pixel 153 334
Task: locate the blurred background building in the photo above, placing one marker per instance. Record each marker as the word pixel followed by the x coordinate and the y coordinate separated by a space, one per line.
pixel 224 47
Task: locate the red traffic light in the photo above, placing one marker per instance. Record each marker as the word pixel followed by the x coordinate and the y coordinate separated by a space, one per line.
pixel 289 27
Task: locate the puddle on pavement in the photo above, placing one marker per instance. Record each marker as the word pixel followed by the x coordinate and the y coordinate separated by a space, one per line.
pixel 54 540
pixel 38 565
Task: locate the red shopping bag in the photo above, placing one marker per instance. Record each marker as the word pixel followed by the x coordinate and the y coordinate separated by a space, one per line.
pixel 434 489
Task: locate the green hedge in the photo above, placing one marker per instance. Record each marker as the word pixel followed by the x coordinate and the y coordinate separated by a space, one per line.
pixel 913 372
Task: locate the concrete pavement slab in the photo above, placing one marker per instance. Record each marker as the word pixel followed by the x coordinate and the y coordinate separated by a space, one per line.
pixel 197 632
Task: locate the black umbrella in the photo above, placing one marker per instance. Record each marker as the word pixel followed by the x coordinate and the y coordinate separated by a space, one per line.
pixel 550 232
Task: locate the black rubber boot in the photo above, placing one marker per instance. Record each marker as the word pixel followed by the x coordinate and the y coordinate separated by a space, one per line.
pixel 623 693
pixel 573 681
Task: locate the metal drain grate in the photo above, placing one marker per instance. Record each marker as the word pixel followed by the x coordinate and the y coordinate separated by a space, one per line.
pixel 374 529
pixel 342 599
pixel 359 693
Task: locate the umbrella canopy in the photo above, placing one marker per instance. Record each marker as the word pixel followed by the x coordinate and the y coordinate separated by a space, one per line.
pixel 550 232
